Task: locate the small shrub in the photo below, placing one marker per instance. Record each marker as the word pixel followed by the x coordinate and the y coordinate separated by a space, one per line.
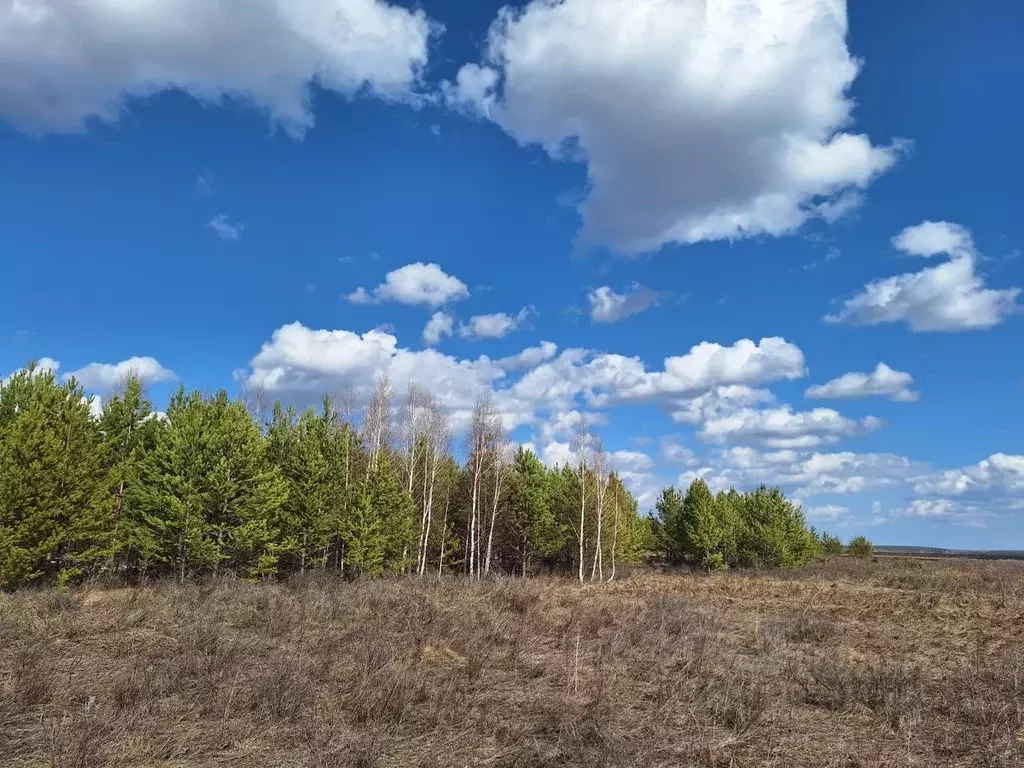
pixel 860 546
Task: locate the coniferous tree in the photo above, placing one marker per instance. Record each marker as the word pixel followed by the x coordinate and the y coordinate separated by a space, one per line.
pixel 54 515
pixel 211 496
pixel 672 523
pixel 130 429
pixel 702 530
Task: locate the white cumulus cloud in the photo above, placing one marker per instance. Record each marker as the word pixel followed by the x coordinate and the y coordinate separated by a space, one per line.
pixel 530 357
pixel 951 296
pixel 931 238
pixel 439 326
pixel 494 326
pixel 696 120
pixel 300 364
pixel 883 381
pixel 416 283
pixel 607 306
pixel 104 377
pixel 63 62
pixel 785 428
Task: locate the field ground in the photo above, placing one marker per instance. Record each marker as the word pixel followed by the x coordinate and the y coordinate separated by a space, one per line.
pixel 897 662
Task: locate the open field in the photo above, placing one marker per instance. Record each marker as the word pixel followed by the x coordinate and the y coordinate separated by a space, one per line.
pixel 845 664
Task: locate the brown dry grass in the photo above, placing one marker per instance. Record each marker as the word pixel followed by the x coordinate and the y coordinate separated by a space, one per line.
pixel 848 664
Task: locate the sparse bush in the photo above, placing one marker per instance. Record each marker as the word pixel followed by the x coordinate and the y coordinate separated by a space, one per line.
pixel 860 546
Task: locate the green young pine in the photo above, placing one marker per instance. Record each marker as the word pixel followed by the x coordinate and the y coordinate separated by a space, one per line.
pixel 130 429
pixel 860 546
pixel 672 524
pixel 702 530
pixel 397 511
pixel 306 523
pixel 53 513
pixel 532 518
pixel 211 497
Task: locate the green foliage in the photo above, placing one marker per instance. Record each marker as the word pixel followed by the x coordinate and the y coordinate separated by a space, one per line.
pixel 206 489
pixel 860 546
pixel 672 524
pixel 761 528
pixel 208 494
pixel 54 513
pixel 831 546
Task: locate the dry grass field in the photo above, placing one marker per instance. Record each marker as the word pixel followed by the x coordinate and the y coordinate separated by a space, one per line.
pixel 897 662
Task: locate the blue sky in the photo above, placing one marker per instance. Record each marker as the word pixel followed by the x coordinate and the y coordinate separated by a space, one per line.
pixel 673 220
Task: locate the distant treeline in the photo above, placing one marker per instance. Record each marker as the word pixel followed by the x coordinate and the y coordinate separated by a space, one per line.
pixel 975 554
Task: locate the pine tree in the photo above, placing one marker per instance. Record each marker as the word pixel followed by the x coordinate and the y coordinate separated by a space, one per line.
pixel 210 494
pixel 702 530
pixel 54 518
pixel 672 524
pixel 130 430
pixel 532 518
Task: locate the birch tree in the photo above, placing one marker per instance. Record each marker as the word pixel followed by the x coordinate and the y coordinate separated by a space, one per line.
pixel 600 489
pixel 377 420
pixel 581 452
pixel 501 465
pixel 480 428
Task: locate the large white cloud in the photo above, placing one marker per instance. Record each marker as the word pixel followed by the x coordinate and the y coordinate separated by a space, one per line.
pixel 65 61
pixel 951 296
pixel 300 364
pixel 883 381
pixel 697 121
pixel 785 428
pixel 416 283
pixel 607 306
pixel 104 377
pixel 606 379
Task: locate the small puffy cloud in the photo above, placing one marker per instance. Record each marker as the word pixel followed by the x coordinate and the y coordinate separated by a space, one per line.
pixel 439 326
pixel 673 452
pixel 697 121
pixel 64 63
pixel 883 382
pixel 945 510
pixel 784 428
pixel 104 377
pixel 931 238
pixel 416 283
pixel 951 296
pixel 606 306
pixel 224 229
pixel 494 326
pixel 530 357
pixel 829 512
pixel 42 365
